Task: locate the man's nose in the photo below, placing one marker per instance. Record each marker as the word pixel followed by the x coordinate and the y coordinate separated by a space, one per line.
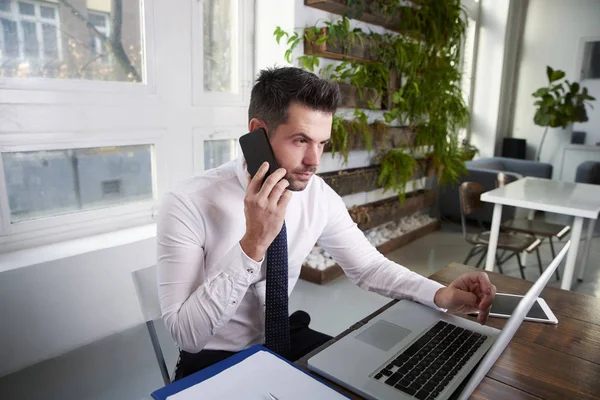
pixel 312 156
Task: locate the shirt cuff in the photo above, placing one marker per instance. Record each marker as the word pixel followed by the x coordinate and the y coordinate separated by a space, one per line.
pixel 427 293
pixel 251 267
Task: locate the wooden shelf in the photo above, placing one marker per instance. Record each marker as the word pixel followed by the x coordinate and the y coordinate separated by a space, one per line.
pixel 363 179
pixel 339 7
pixel 370 215
pixel 321 277
pixel 352 99
pixel 394 137
pixel 335 51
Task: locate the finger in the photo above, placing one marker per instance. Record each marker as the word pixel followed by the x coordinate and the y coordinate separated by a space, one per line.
pixel 461 298
pixel 278 191
pixel 284 200
pixel 483 316
pixel 256 181
pixel 271 181
pixel 488 299
pixel 484 282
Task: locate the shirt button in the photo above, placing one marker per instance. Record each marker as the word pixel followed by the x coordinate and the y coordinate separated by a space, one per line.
pixel 250 270
pixel 233 302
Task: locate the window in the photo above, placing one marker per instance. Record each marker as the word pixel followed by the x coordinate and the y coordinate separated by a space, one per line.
pixel 591 60
pixel 218 152
pixel 29 38
pixel 220 48
pixel 468 57
pixel 39 39
pixel 216 147
pixel 100 21
pixel 220 25
pixel 48 183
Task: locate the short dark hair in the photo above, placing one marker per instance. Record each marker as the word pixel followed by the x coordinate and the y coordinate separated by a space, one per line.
pixel 277 88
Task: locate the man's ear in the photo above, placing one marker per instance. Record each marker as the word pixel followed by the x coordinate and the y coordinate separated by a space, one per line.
pixel 256 123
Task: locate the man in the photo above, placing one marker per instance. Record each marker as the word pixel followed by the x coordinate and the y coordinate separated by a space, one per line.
pixel 230 249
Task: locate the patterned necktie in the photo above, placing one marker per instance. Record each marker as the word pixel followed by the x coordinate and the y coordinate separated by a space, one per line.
pixel 277 323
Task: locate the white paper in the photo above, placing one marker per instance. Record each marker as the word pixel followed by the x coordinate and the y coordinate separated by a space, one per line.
pixel 257 376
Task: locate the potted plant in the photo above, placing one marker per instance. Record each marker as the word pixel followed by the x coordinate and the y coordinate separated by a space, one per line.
pixel 468 151
pixel 559 104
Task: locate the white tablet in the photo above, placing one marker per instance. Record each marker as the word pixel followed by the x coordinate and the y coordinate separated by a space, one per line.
pixel 504 304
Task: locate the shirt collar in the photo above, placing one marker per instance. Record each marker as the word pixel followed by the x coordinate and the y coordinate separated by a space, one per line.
pixel 242 172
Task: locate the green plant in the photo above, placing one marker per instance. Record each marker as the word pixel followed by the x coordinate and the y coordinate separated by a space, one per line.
pixel 397 168
pixel 427 97
pixel 559 103
pixel 468 150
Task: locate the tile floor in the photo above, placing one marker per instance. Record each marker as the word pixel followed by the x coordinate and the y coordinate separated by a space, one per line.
pixel 122 366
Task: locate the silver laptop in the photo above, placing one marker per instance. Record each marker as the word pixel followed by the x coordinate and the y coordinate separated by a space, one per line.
pixel 412 351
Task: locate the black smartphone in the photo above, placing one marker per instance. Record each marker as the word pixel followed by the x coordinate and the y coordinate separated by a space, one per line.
pixel 257 149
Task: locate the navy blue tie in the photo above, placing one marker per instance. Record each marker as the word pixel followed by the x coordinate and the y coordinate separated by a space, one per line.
pixel 277 323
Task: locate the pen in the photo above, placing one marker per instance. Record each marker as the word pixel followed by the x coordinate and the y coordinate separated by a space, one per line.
pixel 273 397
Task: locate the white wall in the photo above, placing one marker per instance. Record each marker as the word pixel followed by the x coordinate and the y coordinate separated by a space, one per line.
pixel 553 31
pixel 50 308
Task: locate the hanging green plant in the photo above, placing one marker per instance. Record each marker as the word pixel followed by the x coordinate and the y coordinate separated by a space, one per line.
pixel 417 73
pixel 397 168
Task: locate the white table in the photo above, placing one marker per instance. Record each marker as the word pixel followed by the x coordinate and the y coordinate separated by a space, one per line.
pixel 579 200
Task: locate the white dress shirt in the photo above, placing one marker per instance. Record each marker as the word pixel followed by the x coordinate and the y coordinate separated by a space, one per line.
pixel 212 295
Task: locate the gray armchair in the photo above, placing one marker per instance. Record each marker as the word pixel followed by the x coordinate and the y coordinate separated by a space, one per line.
pixel 485 172
pixel 588 172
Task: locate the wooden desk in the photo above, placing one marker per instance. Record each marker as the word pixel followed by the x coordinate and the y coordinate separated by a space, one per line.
pixel 542 361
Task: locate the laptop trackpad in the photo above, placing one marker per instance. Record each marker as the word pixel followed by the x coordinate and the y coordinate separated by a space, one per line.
pixel 384 335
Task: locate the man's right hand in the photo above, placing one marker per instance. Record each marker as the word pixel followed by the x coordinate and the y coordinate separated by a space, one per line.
pixel 264 208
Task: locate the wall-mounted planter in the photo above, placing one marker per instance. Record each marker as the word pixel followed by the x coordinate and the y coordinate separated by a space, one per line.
pixel 357 180
pixel 374 214
pixel 352 98
pixel 340 7
pixel 334 50
pixel 382 139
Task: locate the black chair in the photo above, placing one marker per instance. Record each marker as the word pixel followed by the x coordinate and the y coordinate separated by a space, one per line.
pixel 510 243
pixel 540 229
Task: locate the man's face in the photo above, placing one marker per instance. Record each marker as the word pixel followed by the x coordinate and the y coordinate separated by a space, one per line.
pixel 298 144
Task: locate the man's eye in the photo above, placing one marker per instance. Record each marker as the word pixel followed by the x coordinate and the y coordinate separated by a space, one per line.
pixel 301 141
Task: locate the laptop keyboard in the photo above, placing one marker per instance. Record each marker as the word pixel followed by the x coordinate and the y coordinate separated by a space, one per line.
pixel 425 368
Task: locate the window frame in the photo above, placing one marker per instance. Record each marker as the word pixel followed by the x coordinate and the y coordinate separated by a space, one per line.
pixel 15 16
pixel 200 135
pixel 119 90
pixel 87 221
pixel 582 60
pixel 473 12
pixel 244 43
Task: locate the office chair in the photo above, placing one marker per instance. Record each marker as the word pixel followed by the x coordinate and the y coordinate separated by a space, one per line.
pixel 514 243
pixel 145 284
pixel 539 229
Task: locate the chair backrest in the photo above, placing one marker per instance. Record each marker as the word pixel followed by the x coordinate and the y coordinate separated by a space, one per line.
pixel 470 197
pixel 588 172
pixel 145 282
pixel 502 179
pixel 470 201
pixel 146 288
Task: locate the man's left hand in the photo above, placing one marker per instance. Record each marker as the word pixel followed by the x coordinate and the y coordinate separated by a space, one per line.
pixel 468 293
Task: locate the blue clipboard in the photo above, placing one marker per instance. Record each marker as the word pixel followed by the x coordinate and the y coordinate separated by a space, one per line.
pixel 209 372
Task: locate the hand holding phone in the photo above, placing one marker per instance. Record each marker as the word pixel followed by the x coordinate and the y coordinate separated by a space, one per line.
pixel 257 149
pixel 266 197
